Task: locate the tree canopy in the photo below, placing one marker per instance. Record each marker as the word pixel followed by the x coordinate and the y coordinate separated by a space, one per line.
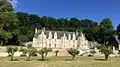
pixel 19 27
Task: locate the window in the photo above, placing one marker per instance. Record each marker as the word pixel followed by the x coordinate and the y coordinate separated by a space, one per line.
pixel 49 45
pixel 55 45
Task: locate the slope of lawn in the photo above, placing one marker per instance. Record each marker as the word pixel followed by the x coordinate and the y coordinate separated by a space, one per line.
pixel 60 62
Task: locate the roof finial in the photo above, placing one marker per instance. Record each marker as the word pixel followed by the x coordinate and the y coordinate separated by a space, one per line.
pixel 36 31
pixel 82 35
pixel 77 33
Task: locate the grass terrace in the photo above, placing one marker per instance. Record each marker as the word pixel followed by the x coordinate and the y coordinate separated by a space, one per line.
pixel 61 61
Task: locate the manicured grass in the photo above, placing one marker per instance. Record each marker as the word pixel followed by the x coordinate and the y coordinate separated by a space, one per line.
pixel 60 62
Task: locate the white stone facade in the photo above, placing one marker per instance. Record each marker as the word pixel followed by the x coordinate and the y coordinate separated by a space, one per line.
pixel 60 40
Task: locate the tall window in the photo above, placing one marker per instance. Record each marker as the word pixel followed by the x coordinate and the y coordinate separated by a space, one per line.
pixel 55 45
pixel 49 45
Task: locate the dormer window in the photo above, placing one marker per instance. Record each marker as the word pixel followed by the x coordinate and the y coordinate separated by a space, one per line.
pixel 49 45
pixel 55 45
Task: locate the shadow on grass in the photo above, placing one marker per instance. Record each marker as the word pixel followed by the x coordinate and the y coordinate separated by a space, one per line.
pixel 69 59
pixel 43 59
pixel 14 60
pixel 100 59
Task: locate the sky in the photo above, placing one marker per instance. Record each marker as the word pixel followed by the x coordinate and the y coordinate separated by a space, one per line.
pixel 82 9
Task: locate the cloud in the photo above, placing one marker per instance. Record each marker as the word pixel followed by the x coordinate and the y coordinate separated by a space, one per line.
pixel 14 3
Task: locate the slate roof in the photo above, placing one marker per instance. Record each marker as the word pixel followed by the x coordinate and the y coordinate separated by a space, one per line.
pixel 116 38
pixel 114 41
pixel 59 33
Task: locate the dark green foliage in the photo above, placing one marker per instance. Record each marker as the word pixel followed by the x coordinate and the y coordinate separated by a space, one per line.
pixel 16 28
pixel 29 50
pixel 11 50
pixel 8 22
pixel 47 50
pixel 73 52
pixel 24 51
pixel 106 51
pixel 44 51
pixel 106 30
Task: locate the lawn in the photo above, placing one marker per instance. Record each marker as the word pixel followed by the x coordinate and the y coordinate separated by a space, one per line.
pixel 60 62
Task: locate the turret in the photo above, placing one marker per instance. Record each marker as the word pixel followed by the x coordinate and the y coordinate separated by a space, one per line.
pixel 69 37
pixel 50 35
pixel 77 33
pixel 55 35
pixel 81 34
pixel 74 37
pixel 36 31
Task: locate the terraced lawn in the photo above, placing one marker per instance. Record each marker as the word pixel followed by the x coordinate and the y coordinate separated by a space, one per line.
pixel 62 61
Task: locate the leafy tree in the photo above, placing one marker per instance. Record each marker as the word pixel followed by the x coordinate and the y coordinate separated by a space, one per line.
pixel 42 53
pixel 11 50
pixel 106 30
pixel 5 6
pixel 27 25
pixel 30 51
pixel 24 51
pixel 106 51
pixel 73 52
pixel 47 50
pixel 56 52
pixel 7 21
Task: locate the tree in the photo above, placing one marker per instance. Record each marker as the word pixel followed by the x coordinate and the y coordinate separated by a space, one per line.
pixel 30 51
pixel 42 52
pixel 11 50
pixel 27 25
pixel 73 52
pixel 106 51
pixel 56 52
pixel 47 50
pixel 24 51
pixel 5 6
pixel 7 21
pixel 106 30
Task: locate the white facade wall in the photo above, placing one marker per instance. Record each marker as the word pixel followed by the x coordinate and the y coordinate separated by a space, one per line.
pixel 52 41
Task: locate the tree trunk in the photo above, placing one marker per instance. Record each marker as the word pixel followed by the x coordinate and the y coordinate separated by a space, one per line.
pixel 28 58
pixel 46 54
pixel 73 57
pixel 12 57
pixel 56 53
pixel 106 57
pixel 42 57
